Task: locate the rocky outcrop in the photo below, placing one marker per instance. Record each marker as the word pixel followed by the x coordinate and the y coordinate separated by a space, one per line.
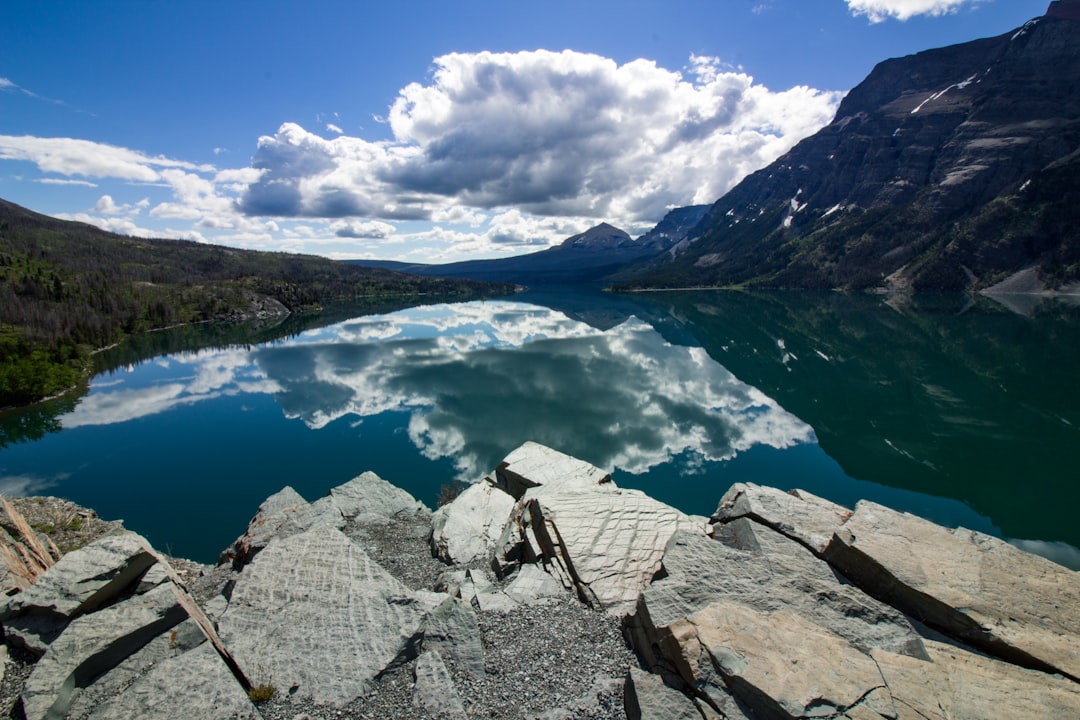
pixel 781 605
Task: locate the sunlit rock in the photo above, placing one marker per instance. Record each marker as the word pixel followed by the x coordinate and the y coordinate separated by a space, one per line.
pixel 533 465
pixel 800 515
pixel 80 582
pixel 315 613
pixel 468 528
pixel 94 644
pixel 1017 606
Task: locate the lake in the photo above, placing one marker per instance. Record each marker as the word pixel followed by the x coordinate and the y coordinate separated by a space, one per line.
pixel 957 409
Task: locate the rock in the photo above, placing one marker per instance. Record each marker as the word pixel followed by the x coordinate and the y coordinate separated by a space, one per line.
pixel 606 546
pixel 194 684
pixel 800 515
pixel 958 685
pixel 104 688
pixel 452 631
pixel 533 586
pixel 319 617
pixel 286 513
pixel 780 664
pixel 468 529
pixel 370 495
pixel 1016 606
pixel 488 597
pixel 532 465
pixel 94 644
pixel 646 697
pixel 434 692
pixel 766 573
pixel 273 513
pixel 80 582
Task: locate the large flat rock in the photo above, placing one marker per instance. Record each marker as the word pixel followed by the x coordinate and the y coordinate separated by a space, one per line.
pixel 954 684
pixel 1014 605
pixel 314 613
pixel 85 579
pixel 92 645
pixel 606 546
pixel 194 684
pixel 533 465
pixel 800 515
pixel 760 576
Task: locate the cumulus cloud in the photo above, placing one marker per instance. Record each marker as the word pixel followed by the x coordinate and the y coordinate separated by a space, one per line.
pixel 107 206
pixel 880 10
pixel 568 133
pixel 362 229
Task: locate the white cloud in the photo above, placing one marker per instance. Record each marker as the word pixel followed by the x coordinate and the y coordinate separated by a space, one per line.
pixel 568 134
pixel 880 10
pixel 106 206
pixel 331 127
pixel 6 84
pixel 119 225
pixel 61 181
pixel 71 156
pixel 359 229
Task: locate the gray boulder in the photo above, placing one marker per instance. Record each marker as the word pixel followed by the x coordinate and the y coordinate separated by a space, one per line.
pixel 534 465
pixel 606 546
pixel 1017 606
pixel 194 684
pixel 646 697
pixel 800 515
pixel 92 645
pixel 80 582
pixel 314 613
pixel 452 630
pixel 369 496
pixel 468 528
pixel 434 692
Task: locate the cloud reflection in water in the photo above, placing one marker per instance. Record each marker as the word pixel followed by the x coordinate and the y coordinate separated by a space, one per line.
pixel 477 380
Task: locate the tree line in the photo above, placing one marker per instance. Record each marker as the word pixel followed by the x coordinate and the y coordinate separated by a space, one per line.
pixel 67 289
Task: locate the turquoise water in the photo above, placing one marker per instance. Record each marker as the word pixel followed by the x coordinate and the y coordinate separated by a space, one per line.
pixel 966 415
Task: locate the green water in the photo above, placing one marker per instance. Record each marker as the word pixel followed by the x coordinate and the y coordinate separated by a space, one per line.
pixel 964 412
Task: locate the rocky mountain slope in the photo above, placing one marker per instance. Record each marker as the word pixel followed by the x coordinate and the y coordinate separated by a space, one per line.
pixel 779 605
pixel 950 169
pixel 591 256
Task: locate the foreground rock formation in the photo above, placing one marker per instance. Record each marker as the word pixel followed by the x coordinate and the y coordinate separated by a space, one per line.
pixel 604 603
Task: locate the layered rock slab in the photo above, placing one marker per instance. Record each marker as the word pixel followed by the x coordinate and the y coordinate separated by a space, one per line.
pixel 94 644
pixel 195 684
pixel 533 465
pixel 681 630
pixel 314 613
pixel 80 582
pixel 1017 606
pixel 606 546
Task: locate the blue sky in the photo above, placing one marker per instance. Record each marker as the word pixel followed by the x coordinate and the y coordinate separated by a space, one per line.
pixel 427 131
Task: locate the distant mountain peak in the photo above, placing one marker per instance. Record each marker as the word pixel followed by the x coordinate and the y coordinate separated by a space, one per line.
pixel 600 236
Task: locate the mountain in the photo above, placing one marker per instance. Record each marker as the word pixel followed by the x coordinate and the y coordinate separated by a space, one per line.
pixel 955 168
pixel 591 256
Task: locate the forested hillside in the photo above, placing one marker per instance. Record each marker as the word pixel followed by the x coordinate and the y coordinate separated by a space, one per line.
pixel 68 288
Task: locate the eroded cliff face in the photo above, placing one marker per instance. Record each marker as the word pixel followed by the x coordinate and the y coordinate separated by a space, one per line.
pixel 942 170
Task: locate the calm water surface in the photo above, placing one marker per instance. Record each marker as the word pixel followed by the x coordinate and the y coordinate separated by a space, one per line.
pixel 965 413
